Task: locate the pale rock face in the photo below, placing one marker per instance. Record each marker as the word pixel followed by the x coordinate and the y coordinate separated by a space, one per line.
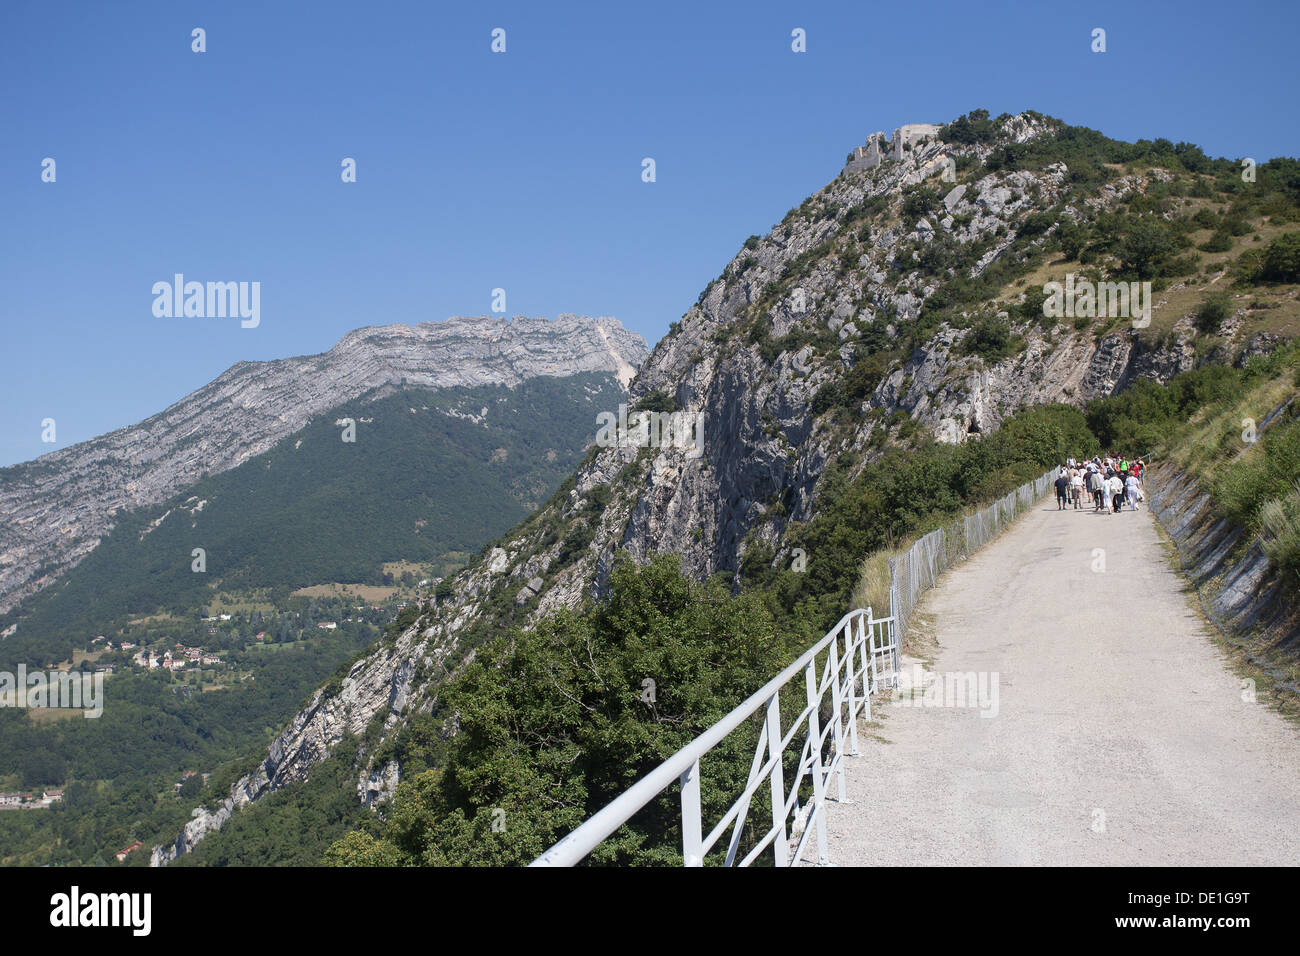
pixel 379 785
pixel 203 823
pixel 58 507
pixel 762 442
pixel 379 683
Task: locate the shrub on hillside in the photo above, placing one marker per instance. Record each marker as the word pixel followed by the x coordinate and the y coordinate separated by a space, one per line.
pixel 1267 473
pixel 968 129
pixel 1220 241
pixel 656 401
pixel 919 201
pixel 992 340
pixel 1142 417
pixel 1212 313
pixel 1037 223
pixel 1280 533
pixel 1072 240
pixel 1205 218
pixel 1281 261
pixel 1144 247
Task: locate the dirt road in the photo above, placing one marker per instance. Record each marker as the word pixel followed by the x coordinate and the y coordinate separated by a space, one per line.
pixel 1119 735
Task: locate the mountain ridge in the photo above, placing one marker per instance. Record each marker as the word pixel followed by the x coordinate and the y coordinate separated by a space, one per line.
pixel 59 505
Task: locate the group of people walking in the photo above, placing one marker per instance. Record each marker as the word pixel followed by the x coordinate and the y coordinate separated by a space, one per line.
pixel 1108 481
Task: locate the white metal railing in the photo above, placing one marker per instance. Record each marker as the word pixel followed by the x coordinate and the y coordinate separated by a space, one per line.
pixel 861 657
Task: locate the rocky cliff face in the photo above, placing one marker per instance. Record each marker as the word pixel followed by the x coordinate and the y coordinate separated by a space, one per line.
pixel 818 307
pixel 58 507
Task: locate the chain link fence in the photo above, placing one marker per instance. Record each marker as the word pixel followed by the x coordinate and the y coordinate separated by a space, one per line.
pixel 917 568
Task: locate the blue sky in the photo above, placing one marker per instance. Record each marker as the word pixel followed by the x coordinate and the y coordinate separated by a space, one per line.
pixel 519 170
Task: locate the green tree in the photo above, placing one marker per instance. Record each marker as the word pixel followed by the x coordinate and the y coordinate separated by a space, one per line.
pixel 1282 259
pixel 1144 247
pixel 556 721
pixel 992 339
pixel 191 787
pixel 1072 239
pixel 1212 312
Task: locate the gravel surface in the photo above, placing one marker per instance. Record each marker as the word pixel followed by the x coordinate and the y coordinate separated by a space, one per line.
pixel 1120 737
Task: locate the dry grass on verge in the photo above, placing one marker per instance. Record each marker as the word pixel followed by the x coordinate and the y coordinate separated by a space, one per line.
pixel 872 589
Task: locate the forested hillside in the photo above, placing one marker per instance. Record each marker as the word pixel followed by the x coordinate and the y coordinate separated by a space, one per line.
pixel 118 771
pixel 431 473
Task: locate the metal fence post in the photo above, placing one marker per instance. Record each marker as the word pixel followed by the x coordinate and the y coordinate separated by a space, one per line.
pixel 871 650
pixel 864 639
pixel 818 816
pixel 850 648
pixel 896 655
pixel 692 828
pixel 837 705
pixel 780 848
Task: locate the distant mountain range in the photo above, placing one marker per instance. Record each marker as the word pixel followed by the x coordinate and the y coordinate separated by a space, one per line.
pixel 57 508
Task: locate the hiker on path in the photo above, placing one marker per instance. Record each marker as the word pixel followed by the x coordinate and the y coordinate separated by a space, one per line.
pixel 1062 489
pixel 1116 485
pixel 1131 489
pixel 1076 488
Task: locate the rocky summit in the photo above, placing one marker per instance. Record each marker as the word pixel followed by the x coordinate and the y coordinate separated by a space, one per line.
pixel 59 506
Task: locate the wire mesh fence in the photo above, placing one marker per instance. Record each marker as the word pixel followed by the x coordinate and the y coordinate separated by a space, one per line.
pixel 917 568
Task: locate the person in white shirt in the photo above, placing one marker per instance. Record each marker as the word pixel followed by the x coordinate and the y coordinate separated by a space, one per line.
pixel 1116 487
pixel 1096 487
pixel 1076 488
pixel 1131 488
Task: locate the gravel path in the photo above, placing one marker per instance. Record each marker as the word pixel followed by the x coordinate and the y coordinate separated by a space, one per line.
pixel 1132 748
